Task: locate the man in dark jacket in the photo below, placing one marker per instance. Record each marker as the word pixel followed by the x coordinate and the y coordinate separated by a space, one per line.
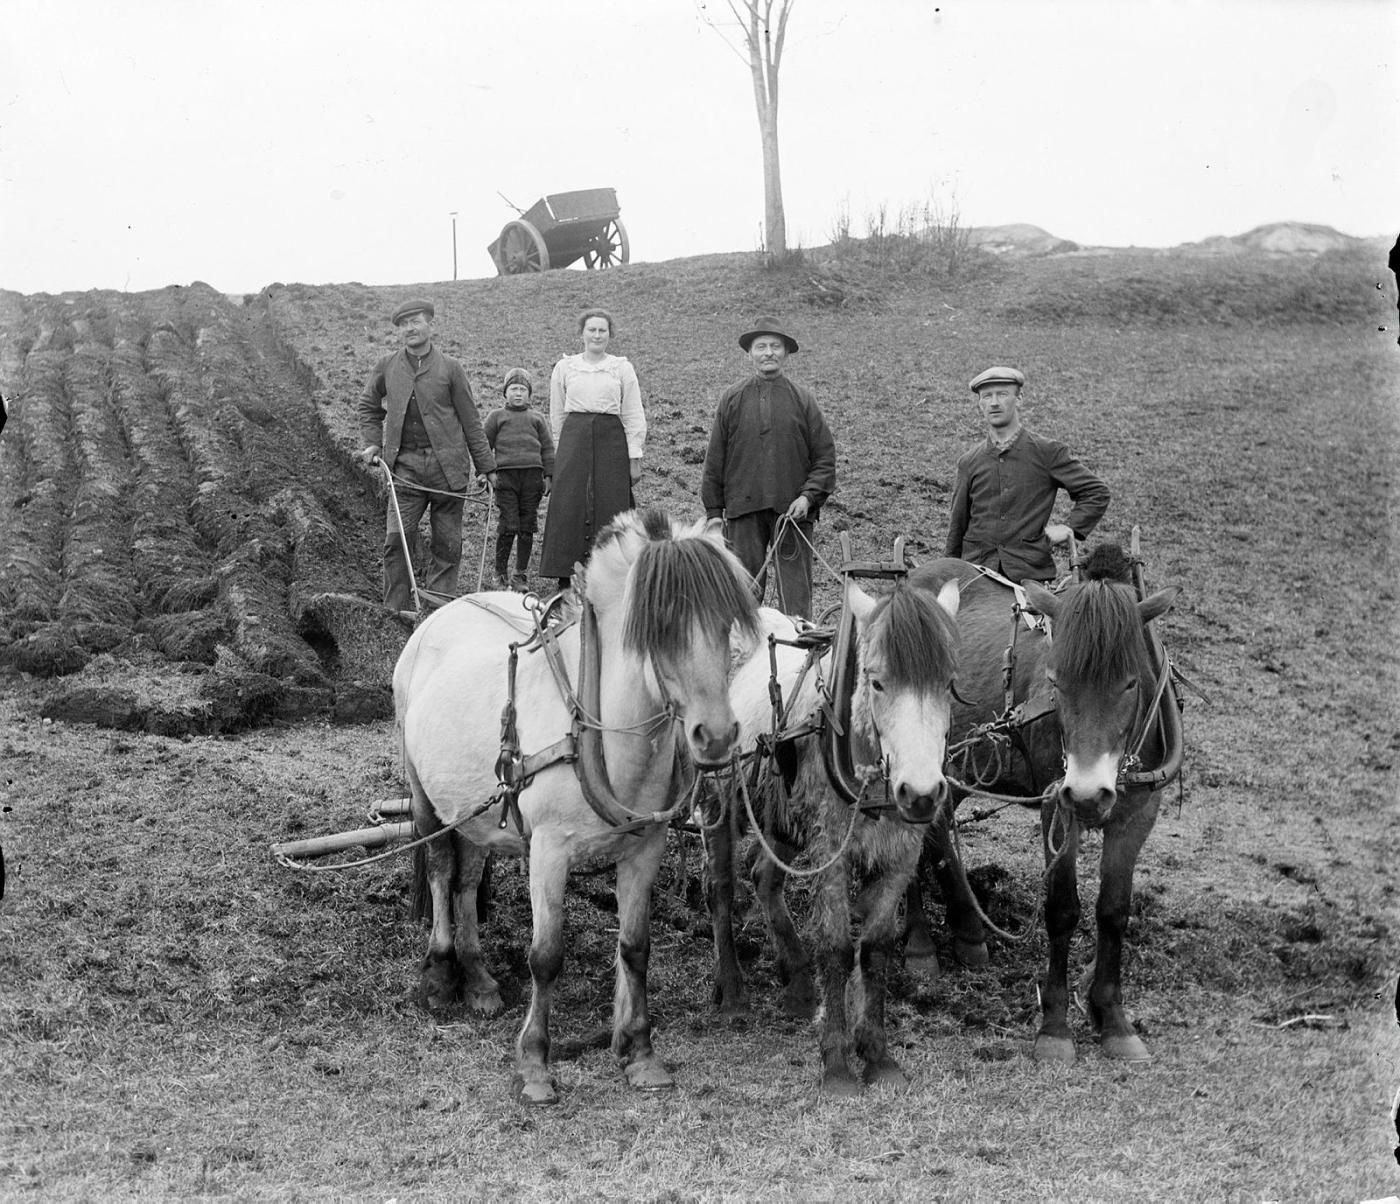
pixel 1006 488
pixel 771 458
pixel 418 417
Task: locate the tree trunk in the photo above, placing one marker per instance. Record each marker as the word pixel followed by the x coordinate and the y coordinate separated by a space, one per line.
pixel 765 52
pixel 774 221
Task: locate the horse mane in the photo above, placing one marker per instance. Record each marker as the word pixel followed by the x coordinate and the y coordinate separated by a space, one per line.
pixel 681 579
pixel 1098 633
pixel 915 637
pixel 1107 562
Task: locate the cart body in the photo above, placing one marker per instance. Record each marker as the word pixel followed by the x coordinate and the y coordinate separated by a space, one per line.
pixel 561 229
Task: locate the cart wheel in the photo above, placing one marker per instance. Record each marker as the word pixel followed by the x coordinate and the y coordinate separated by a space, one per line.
pixel 608 247
pixel 522 249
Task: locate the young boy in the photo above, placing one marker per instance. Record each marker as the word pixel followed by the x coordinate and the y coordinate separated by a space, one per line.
pixel 524 451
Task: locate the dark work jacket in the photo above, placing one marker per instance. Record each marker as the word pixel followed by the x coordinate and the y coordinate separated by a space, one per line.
pixel 761 457
pixel 445 403
pixel 1002 501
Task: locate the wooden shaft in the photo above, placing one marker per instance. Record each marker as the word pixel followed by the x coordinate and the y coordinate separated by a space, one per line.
pixel 319 846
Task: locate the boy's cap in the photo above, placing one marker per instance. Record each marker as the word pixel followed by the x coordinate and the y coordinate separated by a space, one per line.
pixel 518 376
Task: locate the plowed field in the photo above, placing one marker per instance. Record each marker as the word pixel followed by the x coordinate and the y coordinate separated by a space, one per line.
pixel 188 549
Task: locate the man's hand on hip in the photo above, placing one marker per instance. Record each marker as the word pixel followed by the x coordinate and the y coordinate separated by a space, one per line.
pixel 370 455
pixel 1057 532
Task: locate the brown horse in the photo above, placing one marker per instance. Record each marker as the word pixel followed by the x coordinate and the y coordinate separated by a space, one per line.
pixel 1087 720
pixel 865 847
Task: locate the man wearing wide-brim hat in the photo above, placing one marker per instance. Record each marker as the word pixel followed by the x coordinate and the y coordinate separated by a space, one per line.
pixel 418 417
pixel 1006 487
pixel 771 464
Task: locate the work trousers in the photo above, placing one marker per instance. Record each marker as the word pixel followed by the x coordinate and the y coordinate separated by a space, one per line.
pixel 417 473
pixel 750 536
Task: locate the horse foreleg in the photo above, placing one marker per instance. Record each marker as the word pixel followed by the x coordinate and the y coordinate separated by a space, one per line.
pixel 631 1021
pixel 1123 839
pixel 1054 1042
pixel 794 962
pixel 836 957
pixel 549 868
pixel 729 994
pixel 880 932
pixel 964 920
pixel 920 956
pixel 480 989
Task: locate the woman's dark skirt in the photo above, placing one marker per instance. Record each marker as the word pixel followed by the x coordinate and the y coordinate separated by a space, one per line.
pixel 592 484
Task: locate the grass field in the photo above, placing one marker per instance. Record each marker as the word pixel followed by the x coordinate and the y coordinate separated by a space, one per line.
pixel 179 1016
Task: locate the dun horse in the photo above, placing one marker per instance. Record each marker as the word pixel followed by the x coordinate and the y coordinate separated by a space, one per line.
pixel 660 606
pixel 899 709
pixel 1087 722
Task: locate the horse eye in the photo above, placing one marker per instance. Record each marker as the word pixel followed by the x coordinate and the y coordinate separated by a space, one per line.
pixel 1051 678
pixel 877 685
pixel 1131 686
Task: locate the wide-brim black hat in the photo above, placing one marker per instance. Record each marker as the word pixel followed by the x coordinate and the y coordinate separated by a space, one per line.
pixel 768 326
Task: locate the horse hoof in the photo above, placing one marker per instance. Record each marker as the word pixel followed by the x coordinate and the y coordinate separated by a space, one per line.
pixel 971 955
pixel 885 1074
pixel 533 1093
pixel 1124 1048
pixel 841 1084
pixel 440 983
pixel 486 1003
pixel 800 1002
pixel 649 1075
pixel 924 966
pixel 1054 1049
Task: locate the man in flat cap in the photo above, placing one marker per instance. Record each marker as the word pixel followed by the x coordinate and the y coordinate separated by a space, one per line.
pixel 1007 485
pixel 771 464
pixel 418 417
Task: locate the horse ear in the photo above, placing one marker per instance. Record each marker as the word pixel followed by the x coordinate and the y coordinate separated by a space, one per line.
pixel 714 529
pixel 1158 604
pixel 950 597
pixel 859 601
pixel 1041 599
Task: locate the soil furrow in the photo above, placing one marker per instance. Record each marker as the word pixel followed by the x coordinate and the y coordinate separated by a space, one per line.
pixel 99 594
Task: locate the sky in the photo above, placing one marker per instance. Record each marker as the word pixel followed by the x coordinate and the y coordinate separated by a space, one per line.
pixel 242 142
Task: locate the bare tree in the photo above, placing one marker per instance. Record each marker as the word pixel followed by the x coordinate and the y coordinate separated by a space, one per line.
pixel 763 39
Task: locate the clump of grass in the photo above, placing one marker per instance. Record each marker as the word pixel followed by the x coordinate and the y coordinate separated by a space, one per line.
pixel 923 237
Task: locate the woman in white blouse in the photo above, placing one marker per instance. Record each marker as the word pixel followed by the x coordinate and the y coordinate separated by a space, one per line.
pixel 600 432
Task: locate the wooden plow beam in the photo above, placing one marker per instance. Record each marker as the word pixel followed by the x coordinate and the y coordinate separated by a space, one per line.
pixel 383 831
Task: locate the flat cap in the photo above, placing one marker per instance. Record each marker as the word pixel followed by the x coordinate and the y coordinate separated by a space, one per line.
pixel 768 326
pixel 998 376
pixel 518 376
pixel 417 305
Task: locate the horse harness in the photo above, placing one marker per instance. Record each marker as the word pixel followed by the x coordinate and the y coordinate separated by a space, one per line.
pixel 830 721
pixel 581 747
pixel 991 739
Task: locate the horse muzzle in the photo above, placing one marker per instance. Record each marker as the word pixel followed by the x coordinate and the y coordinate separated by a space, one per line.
pixel 1091 809
pixel 916 807
pixel 710 747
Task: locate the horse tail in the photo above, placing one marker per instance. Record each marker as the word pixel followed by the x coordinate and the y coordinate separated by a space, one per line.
pixel 420 899
pixel 483 892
